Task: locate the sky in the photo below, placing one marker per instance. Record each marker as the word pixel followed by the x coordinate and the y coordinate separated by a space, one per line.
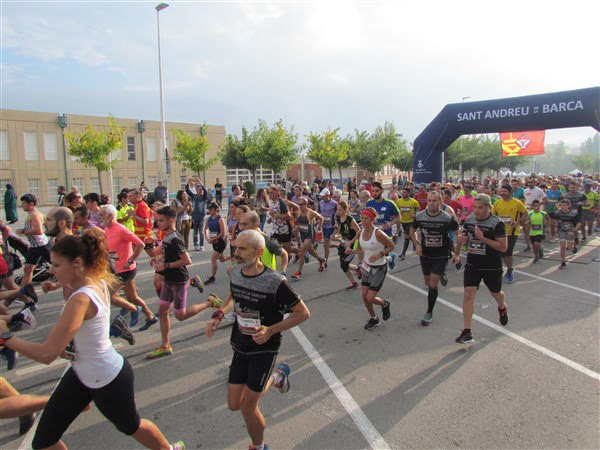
pixel 316 65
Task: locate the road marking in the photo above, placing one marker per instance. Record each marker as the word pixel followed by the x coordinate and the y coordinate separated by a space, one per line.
pixel 584 370
pixel 363 423
pixel 595 294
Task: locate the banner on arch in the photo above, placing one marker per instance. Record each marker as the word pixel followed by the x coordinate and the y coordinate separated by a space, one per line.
pixel 522 143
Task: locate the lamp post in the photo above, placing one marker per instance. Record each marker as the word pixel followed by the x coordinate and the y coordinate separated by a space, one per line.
pixel 460 165
pixel 62 123
pixel 163 134
pixel 141 128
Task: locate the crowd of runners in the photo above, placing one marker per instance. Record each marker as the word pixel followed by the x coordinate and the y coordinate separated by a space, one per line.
pixel 89 248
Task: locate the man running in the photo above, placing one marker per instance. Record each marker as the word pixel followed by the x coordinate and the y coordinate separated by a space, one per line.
pixel 588 212
pixel 538 221
pixel 259 296
pixel 387 215
pixel 327 208
pixel 142 215
pixel 577 201
pixel 280 217
pixel 251 221
pixel 434 246
pixel 408 208
pixel 568 222
pixel 485 236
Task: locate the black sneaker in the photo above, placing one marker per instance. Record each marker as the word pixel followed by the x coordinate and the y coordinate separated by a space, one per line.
pixel 563 265
pixel 402 256
pixel 124 330
pixel 372 322
pixel 503 316
pixel 211 280
pixel 465 337
pixel 196 282
pixel 29 291
pixel 444 279
pixel 574 249
pixel 385 310
pixel 458 265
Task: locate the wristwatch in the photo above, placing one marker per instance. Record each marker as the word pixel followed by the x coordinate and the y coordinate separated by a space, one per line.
pixel 131 261
pixel 5 337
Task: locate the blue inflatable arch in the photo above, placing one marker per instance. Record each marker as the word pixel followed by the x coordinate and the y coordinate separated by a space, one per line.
pixel 565 109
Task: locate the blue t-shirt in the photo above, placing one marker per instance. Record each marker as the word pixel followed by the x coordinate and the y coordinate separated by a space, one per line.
pixel 519 193
pixel 386 210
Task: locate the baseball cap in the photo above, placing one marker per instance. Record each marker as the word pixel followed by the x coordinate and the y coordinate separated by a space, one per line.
pixel 325 192
pixel 483 198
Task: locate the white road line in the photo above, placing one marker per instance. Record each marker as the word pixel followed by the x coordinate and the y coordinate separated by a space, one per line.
pixel 595 294
pixel 584 370
pixel 363 423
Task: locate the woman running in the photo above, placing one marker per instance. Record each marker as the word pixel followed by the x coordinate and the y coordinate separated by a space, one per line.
pixel 304 219
pixel 97 373
pixel 347 231
pixel 215 233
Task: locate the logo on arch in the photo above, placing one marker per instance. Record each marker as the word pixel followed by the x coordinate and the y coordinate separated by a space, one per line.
pixel 522 143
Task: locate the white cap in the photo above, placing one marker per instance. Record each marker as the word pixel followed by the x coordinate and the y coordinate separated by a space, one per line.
pixel 325 192
pixel 337 192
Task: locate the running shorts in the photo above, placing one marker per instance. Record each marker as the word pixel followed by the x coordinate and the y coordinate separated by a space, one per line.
pixel 219 246
pixel 568 236
pixel 345 258
pixel 37 255
pixel 327 232
pixel 491 278
pixel 512 240
pixel 406 228
pixel 374 277
pixel 433 265
pixel 126 277
pixel 175 294
pixel 538 238
pixel 588 216
pixel 252 370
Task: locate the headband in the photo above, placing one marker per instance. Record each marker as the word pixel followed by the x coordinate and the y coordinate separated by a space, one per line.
pixel 369 213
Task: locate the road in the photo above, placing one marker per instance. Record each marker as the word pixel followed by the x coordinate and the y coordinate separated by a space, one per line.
pixel 533 384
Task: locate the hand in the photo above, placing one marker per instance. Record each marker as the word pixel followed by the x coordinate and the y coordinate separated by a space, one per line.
pixel 386 225
pixel 159 265
pixel 67 291
pixel 48 286
pixel 375 257
pixel 210 327
pixel 419 250
pixel 3 326
pixel 262 335
pixel 131 213
pixel 478 233
pixel 127 266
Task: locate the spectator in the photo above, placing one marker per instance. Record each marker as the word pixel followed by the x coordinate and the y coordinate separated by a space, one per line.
pixel 10 204
pixel 61 191
pixel 161 193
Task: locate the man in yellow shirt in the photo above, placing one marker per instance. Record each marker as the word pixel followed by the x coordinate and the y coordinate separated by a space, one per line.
pixel 408 207
pixel 512 213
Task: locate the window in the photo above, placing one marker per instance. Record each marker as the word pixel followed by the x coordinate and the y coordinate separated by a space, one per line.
pixel 152 183
pixel 32 152
pixel 52 188
pixel 132 183
pixel 183 181
pixel 4 151
pixel 50 148
pixel 131 148
pixel 33 187
pixel 151 147
pixel 116 155
pixel 117 186
pixel 78 183
pixel 95 185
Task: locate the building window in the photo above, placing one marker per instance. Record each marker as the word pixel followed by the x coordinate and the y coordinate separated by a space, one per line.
pixel 131 148
pixel 4 151
pixel 152 183
pixel 151 148
pixel 132 183
pixel 32 152
pixel 33 187
pixel 95 185
pixel 117 186
pixel 50 147
pixel 183 181
pixel 52 188
pixel 78 183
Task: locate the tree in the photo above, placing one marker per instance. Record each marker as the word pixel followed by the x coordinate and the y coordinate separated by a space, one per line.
pixel 373 151
pixel 236 152
pixel 403 160
pixel 276 147
pixel 191 151
pixel 586 162
pixel 328 150
pixel 92 148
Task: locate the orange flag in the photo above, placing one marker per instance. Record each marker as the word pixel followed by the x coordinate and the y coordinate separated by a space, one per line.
pixel 522 143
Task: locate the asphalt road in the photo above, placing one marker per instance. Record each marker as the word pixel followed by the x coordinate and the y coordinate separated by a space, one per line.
pixel 533 384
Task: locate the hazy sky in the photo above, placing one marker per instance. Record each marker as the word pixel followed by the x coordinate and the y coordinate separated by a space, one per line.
pixel 316 64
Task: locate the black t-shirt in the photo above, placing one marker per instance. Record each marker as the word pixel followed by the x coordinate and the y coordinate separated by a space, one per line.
pixel 480 255
pixel 574 199
pixel 258 300
pixel 346 231
pixel 435 238
pixel 218 187
pixel 567 221
pixel 173 246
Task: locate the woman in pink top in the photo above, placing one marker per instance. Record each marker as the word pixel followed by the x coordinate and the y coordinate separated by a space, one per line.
pixel 466 201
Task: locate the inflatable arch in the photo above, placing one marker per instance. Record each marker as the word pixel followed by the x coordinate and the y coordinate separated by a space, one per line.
pixel 565 109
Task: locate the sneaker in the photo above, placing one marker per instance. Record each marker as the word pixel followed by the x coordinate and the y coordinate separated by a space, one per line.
pixel 385 310
pixel 28 319
pixel 563 265
pixel 528 248
pixel 123 312
pixel 123 330
pixel 179 445
pixel 211 280
pixel 283 373
pixel 321 265
pixel 372 322
pixel 149 323
pixel 503 316
pixel 31 307
pixel 135 316
pixel 536 258
pixel 402 256
pixel 392 261
pixel 465 337
pixel 10 356
pixel 196 282
pixel 509 277
pixel 574 249
pixel 25 423
pixel 297 276
pixel 195 247
pixel 29 291
pixel 306 258
pixel 352 286
pixel 252 447
pixel 427 318
pixel 444 279
pixel 202 248
pixel 541 253
pixel 160 352
pixel 458 265
pixel 214 300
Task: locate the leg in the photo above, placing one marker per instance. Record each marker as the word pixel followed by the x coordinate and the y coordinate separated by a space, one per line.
pixel 213 263
pixel 432 283
pixel 131 293
pixel 468 306
pixel 27 274
pixel 165 323
pixel 13 404
pixel 368 304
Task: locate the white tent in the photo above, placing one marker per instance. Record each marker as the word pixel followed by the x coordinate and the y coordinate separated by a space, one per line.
pixel 575 172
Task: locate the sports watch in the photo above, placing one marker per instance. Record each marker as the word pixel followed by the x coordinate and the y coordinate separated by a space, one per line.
pixel 5 337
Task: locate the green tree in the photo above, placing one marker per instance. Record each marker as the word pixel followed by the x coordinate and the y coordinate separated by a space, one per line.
pixel 276 147
pixel 373 151
pixel 586 162
pixel 403 160
pixel 94 148
pixel 191 151
pixel 328 150
pixel 236 152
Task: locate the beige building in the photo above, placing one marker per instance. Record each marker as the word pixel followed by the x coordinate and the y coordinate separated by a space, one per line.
pixel 34 160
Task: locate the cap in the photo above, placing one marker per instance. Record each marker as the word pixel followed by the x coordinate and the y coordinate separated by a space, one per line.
pixel 325 192
pixel 483 198
pixel 337 192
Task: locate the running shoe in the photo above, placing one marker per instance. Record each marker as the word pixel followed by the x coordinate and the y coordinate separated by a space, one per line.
pixel 31 306
pixel 211 280
pixel 179 445
pixel 283 374
pixel 385 310
pixel 252 447
pixel 149 323
pixel 372 322
pixel 352 286
pixel 28 319
pixel 427 319
pixel 196 282
pixel 10 356
pixel 160 352
pixel 509 277
pixel 229 317
pixel 541 253
pixel 297 276
pixel 321 265
pixel 444 279
pixel 195 247
pixel 29 291
pixel 25 423
pixel 214 300
pixel 392 261
pixel 458 265
pixel 306 258
pixel 465 337
pixel 402 256
pixel 503 316
pixel 574 249
pixel 528 248
pixel 123 312
pixel 135 316
pixel 202 248
pixel 124 330
pixel 563 265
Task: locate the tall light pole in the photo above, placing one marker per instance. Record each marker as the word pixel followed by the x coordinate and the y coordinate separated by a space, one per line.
pixel 460 165
pixel 163 133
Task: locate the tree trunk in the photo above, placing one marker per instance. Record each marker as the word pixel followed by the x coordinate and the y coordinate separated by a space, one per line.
pixel 99 181
pixel 254 177
pixel 340 169
pixel 330 176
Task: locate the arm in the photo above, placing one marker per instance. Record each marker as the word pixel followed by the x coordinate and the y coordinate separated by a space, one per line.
pixel 299 313
pixel 214 323
pixel 36 226
pixel 415 240
pixel 385 240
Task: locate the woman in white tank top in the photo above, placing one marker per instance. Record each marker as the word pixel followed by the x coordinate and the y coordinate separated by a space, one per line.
pixel 374 245
pixel 97 373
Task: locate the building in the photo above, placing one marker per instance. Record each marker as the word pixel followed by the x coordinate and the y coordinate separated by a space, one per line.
pixel 34 160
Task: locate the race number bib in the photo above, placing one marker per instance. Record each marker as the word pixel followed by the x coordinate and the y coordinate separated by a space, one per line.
pixel 303 228
pixel 365 268
pixel 476 247
pixel 433 241
pixel 248 323
pixel 536 227
pixel 212 234
pixel 506 219
pixel 406 209
pixel 326 220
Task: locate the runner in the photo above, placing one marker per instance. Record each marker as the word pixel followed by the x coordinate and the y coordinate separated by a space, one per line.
pixel 374 245
pixel 327 208
pixel 588 212
pixel 251 221
pixel 97 373
pixel 408 207
pixel 142 215
pixel 421 196
pixel 218 192
pixel 347 231
pixel 259 296
pixel 568 223
pixel 553 195
pixel 485 236
pixel 176 281
pixel 512 213
pixel 92 203
pixel 466 202
pixel 215 233
pixel 280 216
pixel 387 215
pixel 125 211
pixel 434 246
pixel 305 218
pixel 531 193
pixel 539 223
pixel 577 200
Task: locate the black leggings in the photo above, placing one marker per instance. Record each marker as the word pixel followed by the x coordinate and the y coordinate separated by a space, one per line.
pixel 115 401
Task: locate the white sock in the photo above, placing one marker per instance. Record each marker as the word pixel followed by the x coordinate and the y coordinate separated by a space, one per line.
pixel 258 447
pixel 277 377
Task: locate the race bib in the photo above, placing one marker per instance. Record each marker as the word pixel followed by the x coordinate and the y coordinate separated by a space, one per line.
pixel 476 247
pixel 433 241
pixel 566 226
pixel 536 227
pixel 248 323
pixel 505 219
pixel 303 228
pixel 326 220
pixel 364 267
pixel 212 234
pixel 405 209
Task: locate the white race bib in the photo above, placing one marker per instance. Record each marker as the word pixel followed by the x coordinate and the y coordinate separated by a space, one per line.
pixel 433 241
pixel 505 219
pixel 476 247
pixel 248 323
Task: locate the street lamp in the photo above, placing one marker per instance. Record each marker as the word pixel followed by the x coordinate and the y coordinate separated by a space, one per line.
pixel 163 134
pixel 460 165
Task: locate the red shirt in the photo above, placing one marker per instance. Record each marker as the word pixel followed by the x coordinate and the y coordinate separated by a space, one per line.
pixel 457 207
pixel 421 197
pixel 119 240
pixel 3 265
pixel 143 230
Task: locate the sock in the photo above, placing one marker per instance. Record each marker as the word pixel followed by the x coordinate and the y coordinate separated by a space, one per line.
pixel 432 295
pixel 405 247
pixel 258 447
pixel 468 330
pixel 509 270
pixel 277 377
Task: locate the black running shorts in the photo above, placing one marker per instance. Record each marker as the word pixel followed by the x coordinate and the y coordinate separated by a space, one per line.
pixel 219 246
pixel 512 240
pixel 126 277
pixel 433 265
pixel 491 278
pixel 252 370
pixel 539 238
pixel 37 255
